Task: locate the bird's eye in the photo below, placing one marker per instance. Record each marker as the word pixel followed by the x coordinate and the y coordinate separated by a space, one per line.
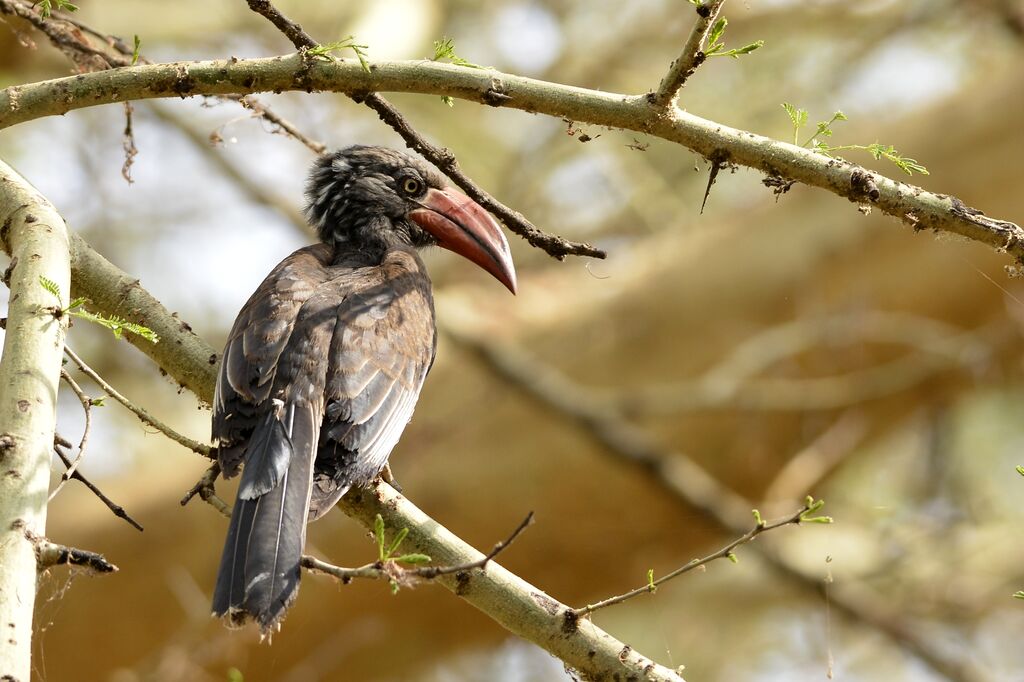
pixel 411 186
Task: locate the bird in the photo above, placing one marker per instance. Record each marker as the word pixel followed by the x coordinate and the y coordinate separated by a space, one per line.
pixel 324 364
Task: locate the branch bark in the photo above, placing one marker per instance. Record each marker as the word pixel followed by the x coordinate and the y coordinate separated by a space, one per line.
pixel 36 238
pixel 692 55
pixel 779 161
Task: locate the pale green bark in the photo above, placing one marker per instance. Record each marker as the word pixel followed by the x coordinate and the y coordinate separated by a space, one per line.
pixel 35 236
pixel 722 144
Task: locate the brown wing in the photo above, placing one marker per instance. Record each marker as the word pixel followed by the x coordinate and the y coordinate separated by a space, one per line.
pixel 260 334
pixel 382 348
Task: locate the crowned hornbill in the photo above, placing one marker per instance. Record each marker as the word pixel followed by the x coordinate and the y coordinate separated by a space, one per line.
pixel 325 361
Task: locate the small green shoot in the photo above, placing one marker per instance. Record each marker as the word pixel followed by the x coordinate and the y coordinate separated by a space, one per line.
pixel 812 506
pixel 798 118
pixel 117 325
pixel 651 587
pixel 235 675
pixel 386 550
pixel 46 7
pixel 444 49
pixel 757 518
pixel 135 51
pixel 1018 595
pixel 1020 470
pixel 347 43
pixel 716 48
pixel 732 557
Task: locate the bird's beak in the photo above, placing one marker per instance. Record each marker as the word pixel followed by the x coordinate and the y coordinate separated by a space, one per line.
pixel 463 226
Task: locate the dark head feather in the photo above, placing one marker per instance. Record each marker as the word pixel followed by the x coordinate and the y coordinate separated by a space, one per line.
pixel 360 197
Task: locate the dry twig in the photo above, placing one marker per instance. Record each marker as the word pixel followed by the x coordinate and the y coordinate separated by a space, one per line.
pixel 726 552
pixel 87 404
pixel 443 158
pixel 117 509
pixel 144 416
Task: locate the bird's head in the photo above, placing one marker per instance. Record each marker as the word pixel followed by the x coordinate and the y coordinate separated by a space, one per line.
pixel 373 198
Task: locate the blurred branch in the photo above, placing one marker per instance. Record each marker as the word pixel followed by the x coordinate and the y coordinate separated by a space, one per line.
pixel 726 552
pixel 441 157
pixel 732 383
pixel 144 416
pixel 510 601
pixel 813 463
pixel 253 191
pixel 116 509
pixel 685 479
pixel 691 57
pixel 779 160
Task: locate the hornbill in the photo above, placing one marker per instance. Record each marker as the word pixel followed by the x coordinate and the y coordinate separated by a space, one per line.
pixel 323 365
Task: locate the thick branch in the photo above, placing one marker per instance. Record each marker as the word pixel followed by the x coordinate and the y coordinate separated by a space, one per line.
pixel 692 55
pixel 780 160
pixel 515 604
pixel 35 236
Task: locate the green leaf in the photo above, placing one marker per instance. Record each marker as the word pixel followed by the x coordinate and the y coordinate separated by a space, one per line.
pixel 396 542
pixel 235 675
pixel 1020 470
pixel 717 31
pixel 378 532
pixel 757 518
pixel 1018 595
pixel 98 402
pixel 135 52
pixel 448 100
pixel 650 581
pixel 347 43
pixel 50 286
pixel 413 559
pixel 732 557
pixel 117 325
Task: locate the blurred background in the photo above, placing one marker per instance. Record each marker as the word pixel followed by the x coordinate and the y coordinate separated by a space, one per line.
pixel 785 344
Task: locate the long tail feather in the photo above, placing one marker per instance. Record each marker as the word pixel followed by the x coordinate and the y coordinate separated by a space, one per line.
pixel 259 569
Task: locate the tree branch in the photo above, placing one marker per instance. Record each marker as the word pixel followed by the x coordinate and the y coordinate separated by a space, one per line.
pixel 441 157
pixel 49 554
pixel 144 416
pixel 691 57
pixel 35 236
pixel 725 552
pixel 915 206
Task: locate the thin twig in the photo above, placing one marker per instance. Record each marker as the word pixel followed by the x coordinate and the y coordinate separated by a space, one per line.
pixel 206 489
pixel 49 554
pixel 435 571
pixel 553 245
pixel 87 409
pixel 117 509
pixel 144 416
pixel 391 570
pixel 691 57
pixel 725 552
